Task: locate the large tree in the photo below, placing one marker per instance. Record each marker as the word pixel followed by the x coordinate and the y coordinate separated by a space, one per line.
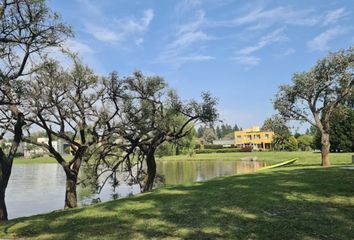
pixel 27 29
pixel 314 95
pixel 66 105
pixel 147 114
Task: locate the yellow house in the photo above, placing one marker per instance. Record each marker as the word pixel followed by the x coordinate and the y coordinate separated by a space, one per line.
pixel 253 137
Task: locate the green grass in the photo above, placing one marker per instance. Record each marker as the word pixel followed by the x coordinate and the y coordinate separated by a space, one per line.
pixel 305 158
pixel 45 159
pixel 302 201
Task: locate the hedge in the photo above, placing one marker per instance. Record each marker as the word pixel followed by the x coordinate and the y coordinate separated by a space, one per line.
pixel 223 150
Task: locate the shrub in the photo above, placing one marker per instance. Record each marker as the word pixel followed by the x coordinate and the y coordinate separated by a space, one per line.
pixel 213 146
pixel 223 150
pixel 246 149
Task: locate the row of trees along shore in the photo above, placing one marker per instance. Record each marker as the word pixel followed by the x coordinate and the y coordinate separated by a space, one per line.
pixel 110 122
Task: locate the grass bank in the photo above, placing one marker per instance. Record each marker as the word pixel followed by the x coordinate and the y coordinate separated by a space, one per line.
pixel 303 201
pixel 305 158
pixel 44 159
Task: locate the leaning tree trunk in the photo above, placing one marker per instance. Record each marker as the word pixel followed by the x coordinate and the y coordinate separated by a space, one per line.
pixel 6 164
pixel 70 189
pixel 151 170
pixel 325 149
pixel 5 172
pixel 3 210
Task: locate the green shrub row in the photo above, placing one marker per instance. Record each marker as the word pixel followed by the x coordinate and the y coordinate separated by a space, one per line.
pixel 223 150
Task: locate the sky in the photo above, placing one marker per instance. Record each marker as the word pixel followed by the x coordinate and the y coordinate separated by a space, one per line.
pixel 240 51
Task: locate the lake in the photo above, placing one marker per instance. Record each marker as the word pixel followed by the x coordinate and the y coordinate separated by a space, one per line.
pixel 40 188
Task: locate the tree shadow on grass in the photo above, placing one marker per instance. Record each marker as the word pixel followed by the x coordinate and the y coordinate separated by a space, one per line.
pixel 284 204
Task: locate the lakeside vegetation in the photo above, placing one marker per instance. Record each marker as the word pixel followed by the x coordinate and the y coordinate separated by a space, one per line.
pixel 301 200
pixel 304 158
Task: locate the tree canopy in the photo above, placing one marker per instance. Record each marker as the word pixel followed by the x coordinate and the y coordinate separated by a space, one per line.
pixel 314 95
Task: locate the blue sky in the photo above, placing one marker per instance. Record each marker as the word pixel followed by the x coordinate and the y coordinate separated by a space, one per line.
pixel 240 51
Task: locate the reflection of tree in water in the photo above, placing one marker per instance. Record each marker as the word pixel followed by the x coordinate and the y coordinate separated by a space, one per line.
pixel 179 172
pixel 169 173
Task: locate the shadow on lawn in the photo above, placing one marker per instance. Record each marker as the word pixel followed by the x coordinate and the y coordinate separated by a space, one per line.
pixel 283 204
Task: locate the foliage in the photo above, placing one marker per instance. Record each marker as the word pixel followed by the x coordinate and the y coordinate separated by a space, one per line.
pixel 277 124
pixel 213 146
pixel 63 103
pixel 341 131
pixel 305 142
pixel 246 149
pixel 209 135
pixel 27 30
pixel 314 95
pixel 143 114
pixel 217 150
pixel 292 144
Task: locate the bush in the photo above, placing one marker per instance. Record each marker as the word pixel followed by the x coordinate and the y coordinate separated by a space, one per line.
pixel 36 155
pixel 213 146
pixel 223 150
pixel 246 149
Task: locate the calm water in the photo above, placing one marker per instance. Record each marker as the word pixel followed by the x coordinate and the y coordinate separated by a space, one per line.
pixel 39 188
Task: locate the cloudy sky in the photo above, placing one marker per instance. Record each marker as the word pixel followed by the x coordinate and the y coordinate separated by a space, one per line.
pixel 240 51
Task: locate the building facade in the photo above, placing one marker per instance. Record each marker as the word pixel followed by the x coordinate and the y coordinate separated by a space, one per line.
pixel 254 137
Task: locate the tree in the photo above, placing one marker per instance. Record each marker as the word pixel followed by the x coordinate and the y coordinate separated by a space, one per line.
pixel 305 142
pixel 342 130
pixel 281 131
pixel 27 29
pixel 314 95
pixel 292 144
pixel 65 104
pixel 200 131
pixel 148 114
pixel 219 133
pixel 209 135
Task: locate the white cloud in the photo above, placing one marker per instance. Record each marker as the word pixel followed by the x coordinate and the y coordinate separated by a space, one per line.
pixel 184 48
pixel 262 18
pixel 275 36
pixel 244 56
pixel 247 60
pixel 79 47
pixel 187 5
pixel 287 52
pixel 320 42
pixel 334 15
pixel 103 34
pixel 112 30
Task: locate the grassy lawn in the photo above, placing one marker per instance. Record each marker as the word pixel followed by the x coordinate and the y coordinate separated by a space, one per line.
pixel 45 159
pixel 303 201
pixel 305 158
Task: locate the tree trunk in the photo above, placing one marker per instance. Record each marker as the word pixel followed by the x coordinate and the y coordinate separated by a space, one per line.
pixel 6 164
pixel 325 149
pixel 3 210
pixel 5 171
pixel 151 170
pixel 70 190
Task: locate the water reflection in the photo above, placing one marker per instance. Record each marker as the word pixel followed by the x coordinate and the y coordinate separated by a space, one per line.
pixel 39 188
pixel 179 172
